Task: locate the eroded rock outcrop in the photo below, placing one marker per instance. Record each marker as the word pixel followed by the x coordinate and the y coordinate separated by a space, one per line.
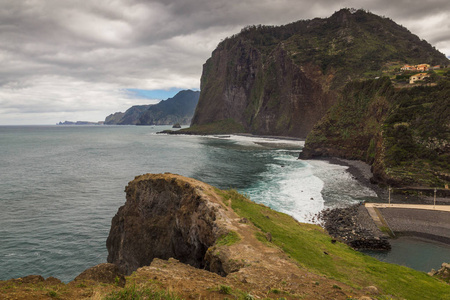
pixel 164 216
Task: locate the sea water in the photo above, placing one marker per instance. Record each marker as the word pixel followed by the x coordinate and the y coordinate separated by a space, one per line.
pixel 60 186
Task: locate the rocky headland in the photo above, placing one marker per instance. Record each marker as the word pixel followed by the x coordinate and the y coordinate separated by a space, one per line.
pixel 179 236
pixel 281 80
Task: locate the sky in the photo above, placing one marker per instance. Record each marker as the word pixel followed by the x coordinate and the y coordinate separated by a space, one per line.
pixel 83 60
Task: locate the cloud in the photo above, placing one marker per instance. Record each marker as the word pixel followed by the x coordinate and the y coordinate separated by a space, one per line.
pixel 75 58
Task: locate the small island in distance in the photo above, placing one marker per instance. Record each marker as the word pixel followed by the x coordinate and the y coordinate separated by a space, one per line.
pixel 80 123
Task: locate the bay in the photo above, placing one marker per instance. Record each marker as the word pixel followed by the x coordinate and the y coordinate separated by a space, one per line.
pixel 60 186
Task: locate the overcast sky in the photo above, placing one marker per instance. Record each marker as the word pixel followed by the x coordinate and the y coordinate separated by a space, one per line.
pixel 82 60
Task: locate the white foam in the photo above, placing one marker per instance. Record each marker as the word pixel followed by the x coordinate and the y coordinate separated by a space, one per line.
pixel 292 189
pixel 340 187
pixel 302 188
pixel 255 140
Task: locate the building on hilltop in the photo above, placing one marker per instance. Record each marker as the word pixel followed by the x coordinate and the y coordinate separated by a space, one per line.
pixel 422 67
pixel 418 77
pixel 408 68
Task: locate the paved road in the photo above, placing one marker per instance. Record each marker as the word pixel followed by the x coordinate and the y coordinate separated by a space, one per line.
pixel 413 219
pixel 412 206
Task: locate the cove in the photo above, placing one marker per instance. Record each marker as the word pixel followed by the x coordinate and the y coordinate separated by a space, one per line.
pixel 416 253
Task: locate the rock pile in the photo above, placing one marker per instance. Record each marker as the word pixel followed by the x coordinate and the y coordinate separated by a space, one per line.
pixel 344 224
pixel 443 273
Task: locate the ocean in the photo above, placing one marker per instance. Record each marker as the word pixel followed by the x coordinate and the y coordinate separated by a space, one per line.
pixel 60 186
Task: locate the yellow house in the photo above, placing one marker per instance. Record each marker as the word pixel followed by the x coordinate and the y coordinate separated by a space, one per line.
pixel 418 77
pixel 422 67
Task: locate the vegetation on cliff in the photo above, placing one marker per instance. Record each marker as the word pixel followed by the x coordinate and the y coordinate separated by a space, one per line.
pixel 178 109
pixel 404 133
pixel 282 80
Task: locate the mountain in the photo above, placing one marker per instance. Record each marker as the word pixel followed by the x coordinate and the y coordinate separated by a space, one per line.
pixel 129 117
pixel 282 80
pixel 178 109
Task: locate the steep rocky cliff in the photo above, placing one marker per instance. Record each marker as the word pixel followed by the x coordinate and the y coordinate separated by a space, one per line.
pixel 282 80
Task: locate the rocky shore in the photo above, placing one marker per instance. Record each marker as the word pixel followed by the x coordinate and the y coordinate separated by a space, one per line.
pixel 354 227
pixel 361 171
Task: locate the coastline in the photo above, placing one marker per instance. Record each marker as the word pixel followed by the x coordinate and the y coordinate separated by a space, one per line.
pixel 428 225
pixel 361 172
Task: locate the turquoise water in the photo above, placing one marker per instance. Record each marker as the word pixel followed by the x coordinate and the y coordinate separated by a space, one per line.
pixel 419 254
pixel 60 186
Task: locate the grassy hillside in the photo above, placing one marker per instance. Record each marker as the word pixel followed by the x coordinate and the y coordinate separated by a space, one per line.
pixel 311 247
pixel 328 270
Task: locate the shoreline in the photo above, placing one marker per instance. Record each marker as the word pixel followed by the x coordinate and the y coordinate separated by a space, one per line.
pixel 402 221
pixel 243 134
pixel 361 172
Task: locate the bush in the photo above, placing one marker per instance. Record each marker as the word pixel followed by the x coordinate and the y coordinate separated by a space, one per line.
pixel 225 289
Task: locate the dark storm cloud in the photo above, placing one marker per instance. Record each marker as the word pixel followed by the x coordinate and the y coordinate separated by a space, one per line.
pixel 56 54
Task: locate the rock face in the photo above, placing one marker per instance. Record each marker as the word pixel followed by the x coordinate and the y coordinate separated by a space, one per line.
pixel 164 216
pixel 282 80
pixel 268 95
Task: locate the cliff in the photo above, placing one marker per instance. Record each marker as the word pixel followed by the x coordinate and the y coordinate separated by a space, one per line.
pixel 178 109
pixel 230 247
pixel 281 80
pixel 403 133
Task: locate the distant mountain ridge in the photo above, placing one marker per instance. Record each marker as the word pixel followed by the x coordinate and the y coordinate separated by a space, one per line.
pixel 281 80
pixel 178 109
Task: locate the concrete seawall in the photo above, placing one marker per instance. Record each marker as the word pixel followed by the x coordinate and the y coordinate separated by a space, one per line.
pixel 426 223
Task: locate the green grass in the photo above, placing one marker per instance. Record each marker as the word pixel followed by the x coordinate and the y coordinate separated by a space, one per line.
pixel 53 294
pixel 229 239
pixel 306 244
pixel 225 289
